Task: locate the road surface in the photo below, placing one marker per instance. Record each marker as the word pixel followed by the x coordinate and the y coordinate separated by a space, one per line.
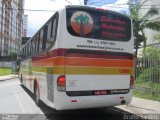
pixel 14 99
pixel 16 102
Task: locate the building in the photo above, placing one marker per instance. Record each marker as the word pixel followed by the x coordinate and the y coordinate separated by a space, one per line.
pixel 25 25
pixel 150 34
pixel 11 26
pixel 25 40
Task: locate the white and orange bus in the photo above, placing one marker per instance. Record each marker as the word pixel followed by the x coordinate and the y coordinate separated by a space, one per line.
pixel 82 57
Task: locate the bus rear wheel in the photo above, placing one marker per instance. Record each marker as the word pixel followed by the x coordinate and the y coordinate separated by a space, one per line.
pixel 36 95
pixel 21 79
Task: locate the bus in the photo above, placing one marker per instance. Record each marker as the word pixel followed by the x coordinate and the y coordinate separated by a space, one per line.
pixel 82 57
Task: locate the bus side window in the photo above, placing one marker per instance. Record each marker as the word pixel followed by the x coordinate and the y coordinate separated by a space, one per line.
pixel 29 48
pixel 33 46
pixel 48 40
pixel 24 51
pixel 54 26
pixel 38 42
pixel 52 32
pixel 41 40
pixel 44 37
pixel 49 30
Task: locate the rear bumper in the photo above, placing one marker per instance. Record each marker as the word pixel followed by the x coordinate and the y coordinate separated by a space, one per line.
pixel 64 102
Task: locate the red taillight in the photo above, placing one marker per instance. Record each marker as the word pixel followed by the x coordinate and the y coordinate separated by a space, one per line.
pixel 61 83
pixel 73 100
pixel 100 9
pixel 131 81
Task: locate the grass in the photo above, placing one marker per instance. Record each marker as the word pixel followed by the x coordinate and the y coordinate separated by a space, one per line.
pixel 146 96
pixel 151 86
pixel 5 71
pixel 148 84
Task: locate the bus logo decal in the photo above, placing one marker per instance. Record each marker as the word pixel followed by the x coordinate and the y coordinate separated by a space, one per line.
pixel 81 23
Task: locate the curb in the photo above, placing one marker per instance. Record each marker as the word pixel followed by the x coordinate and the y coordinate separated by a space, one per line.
pixel 8 79
pixel 141 106
pixel 4 78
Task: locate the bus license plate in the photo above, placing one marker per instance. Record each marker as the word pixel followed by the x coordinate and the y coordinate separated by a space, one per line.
pixel 100 92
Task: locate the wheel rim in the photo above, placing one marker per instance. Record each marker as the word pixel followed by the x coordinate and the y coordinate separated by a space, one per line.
pixel 37 96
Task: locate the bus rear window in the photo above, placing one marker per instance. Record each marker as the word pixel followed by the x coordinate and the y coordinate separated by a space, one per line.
pixel 98 24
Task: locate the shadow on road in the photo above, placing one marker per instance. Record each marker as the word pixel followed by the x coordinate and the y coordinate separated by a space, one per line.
pixel 84 114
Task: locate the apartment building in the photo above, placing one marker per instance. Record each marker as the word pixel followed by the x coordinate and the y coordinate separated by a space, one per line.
pixel 25 25
pixel 150 34
pixel 11 26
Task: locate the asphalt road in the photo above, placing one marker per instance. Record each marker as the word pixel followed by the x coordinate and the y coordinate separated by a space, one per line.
pixel 16 102
pixel 14 99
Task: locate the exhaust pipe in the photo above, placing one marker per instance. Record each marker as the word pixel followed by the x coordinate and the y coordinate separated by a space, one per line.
pixel 123 102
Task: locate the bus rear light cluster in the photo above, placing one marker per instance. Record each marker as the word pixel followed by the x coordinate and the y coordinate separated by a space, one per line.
pixel 100 9
pixel 61 83
pixel 74 101
pixel 131 81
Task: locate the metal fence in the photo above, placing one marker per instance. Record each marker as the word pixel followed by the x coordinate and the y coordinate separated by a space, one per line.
pixel 147 73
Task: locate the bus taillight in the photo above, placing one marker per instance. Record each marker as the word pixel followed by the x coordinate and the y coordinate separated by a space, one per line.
pixel 131 81
pixel 100 9
pixel 61 83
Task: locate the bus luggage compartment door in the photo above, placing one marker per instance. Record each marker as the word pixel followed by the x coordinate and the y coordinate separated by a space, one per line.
pixel 83 75
pixel 96 82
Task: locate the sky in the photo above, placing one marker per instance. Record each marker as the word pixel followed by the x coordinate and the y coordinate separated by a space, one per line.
pixel 36 17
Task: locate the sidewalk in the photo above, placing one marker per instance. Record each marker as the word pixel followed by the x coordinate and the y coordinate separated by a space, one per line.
pixel 7 77
pixel 141 106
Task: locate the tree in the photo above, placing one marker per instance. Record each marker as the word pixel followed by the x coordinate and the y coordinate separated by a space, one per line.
pixel 141 22
pixel 157 38
pixel 83 20
pixel 152 52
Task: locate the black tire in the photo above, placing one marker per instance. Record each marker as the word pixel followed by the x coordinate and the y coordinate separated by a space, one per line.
pixel 21 79
pixel 36 95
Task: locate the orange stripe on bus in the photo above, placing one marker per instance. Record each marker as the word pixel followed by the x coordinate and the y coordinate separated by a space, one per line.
pixel 98 62
pixel 74 61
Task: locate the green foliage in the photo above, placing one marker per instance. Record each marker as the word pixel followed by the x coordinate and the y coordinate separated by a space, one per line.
pixel 147 73
pixel 157 37
pixel 152 52
pixel 149 69
pixel 148 82
pixel 140 22
pixel 146 96
pixel 5 71
pixel 83 19
pixel 152 25
pixel 151 64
